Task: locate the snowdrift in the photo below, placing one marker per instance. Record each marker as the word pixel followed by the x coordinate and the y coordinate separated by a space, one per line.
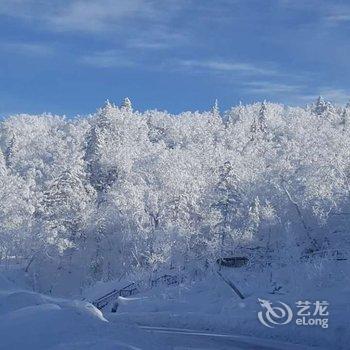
pixel 33 321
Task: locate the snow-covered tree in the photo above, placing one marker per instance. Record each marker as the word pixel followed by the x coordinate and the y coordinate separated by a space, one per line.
pixel 345 115
pixel 123 190
pixel 227 205
pixel 258 127
pixel 127 104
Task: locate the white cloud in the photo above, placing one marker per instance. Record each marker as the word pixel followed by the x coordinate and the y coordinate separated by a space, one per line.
pixel 337 96
pixel 339 18
pixel 139 24
pixel 158 38
pixel 226 66
pixel 328 11
pixel 298 93
pixel 107 59
pixel 268 87
pixel 26 9
pixel 102 15
pixel 35 49
pixel 124 58
pixel 88 15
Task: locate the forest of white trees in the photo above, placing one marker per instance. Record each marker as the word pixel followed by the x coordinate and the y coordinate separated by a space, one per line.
pixel 121 190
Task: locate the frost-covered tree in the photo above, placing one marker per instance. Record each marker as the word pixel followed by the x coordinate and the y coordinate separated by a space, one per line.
pixel 216 110
pixel 345 115
pixel 227 205
pixel 65 205
pixel 324 109
pixel 124 190
pixel 16 216
pixel 321 106
pixel 258 127
pixel 97 145
pixel 127 104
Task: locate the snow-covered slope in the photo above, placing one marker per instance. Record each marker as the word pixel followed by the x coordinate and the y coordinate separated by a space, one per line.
pixel 189 315
pixel 32 321
pixel 210 305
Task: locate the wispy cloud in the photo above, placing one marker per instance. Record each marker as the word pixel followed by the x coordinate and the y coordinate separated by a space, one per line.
pixel 107 59
pixel 226 66
pixel 268 87
pixel 337 96
pixel 159 38
pixel 327 11
pixel 339 14
pixel 33 49
pixel 138 24
pixel 29 11
pixel 102 15
pixel 124 58
pixel 340 96
pixel 297 93
pixel 89 15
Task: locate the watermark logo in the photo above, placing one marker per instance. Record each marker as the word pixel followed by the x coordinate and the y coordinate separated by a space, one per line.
pixel 274 315
pixel 307 314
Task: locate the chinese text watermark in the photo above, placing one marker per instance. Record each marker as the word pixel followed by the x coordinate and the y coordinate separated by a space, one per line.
pixel 306 313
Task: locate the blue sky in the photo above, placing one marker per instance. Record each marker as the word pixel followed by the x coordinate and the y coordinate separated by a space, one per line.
pixel 67 57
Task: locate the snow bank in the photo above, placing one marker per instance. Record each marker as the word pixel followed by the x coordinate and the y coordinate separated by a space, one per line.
pixel 212 306
pixel 33 321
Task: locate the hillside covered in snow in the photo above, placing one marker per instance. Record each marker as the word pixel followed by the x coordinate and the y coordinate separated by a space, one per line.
pixel 92 203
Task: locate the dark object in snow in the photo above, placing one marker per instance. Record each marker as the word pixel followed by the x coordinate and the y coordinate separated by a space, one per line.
pixel 133 288
pixel 328 254
pixel 231 285
pixel 276 289
pixel 235 261
pixel 127 291
pixel 168 280
pixel 115 306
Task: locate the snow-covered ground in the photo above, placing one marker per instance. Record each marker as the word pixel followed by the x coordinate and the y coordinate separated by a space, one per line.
pixel 211 305
pixel 201 314
pixel 33 321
